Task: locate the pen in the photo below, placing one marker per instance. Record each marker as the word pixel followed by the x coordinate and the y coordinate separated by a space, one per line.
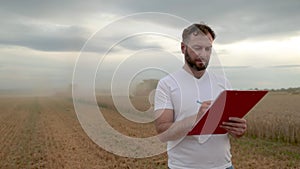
pixel 199 102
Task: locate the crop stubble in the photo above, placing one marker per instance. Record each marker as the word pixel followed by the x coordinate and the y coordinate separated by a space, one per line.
pixel 43 132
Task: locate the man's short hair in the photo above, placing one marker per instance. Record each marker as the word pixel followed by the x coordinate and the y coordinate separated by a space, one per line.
pixel 195 29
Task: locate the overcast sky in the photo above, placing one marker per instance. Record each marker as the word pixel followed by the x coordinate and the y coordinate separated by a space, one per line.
pixel 257 41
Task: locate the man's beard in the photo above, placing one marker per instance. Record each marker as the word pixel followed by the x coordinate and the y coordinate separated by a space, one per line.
pixel 192 64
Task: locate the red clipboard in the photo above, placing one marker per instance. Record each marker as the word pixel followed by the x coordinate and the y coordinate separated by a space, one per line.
pixel 230 103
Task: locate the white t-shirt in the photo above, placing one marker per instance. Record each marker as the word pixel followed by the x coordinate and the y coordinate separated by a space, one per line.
pixel 180 91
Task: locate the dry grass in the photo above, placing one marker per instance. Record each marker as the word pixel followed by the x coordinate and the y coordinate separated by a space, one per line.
pixel 249 153
pixel 276 117
pixel 43 132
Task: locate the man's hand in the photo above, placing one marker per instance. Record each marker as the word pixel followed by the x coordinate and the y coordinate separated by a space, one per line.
pixel 235 127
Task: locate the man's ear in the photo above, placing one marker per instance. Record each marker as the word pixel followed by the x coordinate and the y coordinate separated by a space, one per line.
pixel 183 48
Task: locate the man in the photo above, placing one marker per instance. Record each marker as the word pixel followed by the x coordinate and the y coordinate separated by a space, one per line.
pixel 177 110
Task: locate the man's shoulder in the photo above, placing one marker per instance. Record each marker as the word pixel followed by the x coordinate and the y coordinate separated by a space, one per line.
pixel 171 80
pixel 173 76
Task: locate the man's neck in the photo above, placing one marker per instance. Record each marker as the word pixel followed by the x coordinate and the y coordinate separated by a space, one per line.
pixel 195 73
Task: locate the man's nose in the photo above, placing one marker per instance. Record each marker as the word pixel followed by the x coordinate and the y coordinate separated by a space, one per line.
pixel 202 53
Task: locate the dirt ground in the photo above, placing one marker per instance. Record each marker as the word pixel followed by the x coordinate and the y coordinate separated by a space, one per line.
pixel 43 132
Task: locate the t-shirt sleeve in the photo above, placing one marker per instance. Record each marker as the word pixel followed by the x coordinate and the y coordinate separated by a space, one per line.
pixel 162 99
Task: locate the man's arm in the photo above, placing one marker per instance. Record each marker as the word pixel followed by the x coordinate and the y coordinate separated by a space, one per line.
pixel 169 130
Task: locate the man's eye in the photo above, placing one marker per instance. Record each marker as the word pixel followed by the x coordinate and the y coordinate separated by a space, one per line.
pixel 197 48
pixel 208 49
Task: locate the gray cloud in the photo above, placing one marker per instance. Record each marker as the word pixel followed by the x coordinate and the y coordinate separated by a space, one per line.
pixel 24 22
pixel 138 43
pixel 234 20
pixel 55 10
pixel 45 37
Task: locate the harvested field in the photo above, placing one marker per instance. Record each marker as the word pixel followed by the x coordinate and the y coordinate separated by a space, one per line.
pixel 43 132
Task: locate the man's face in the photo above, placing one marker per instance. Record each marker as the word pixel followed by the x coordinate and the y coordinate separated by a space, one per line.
pixel 197 51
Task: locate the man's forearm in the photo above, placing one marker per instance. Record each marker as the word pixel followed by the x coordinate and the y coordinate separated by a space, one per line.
pixel 176 130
